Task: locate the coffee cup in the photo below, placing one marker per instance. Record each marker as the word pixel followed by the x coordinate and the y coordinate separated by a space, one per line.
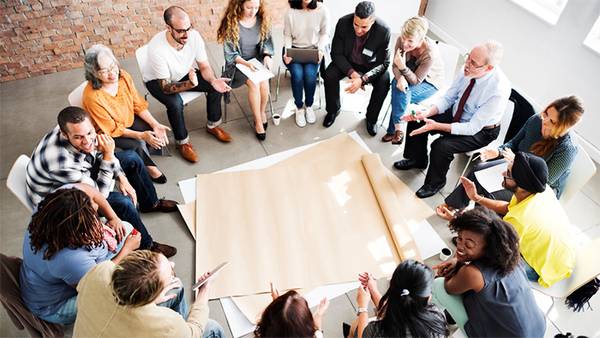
pixel 445 254
pixel 276 119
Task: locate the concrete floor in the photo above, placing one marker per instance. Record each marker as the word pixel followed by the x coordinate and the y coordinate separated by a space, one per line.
pixel 29 108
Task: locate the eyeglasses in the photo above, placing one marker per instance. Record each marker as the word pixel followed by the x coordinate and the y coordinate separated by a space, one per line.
pixel 181 31
pixel 472 63
pixel 113 68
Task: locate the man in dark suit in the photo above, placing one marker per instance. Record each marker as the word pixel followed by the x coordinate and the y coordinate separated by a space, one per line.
pixel 359 51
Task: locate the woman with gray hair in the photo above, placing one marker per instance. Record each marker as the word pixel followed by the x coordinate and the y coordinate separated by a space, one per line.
pixel 117 109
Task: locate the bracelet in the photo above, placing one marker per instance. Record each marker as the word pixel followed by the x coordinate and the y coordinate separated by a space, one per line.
pixel 479 199
pixel 361 310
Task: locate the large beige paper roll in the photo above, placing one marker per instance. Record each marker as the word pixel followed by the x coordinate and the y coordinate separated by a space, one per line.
pixel 310 220
pixel 389 202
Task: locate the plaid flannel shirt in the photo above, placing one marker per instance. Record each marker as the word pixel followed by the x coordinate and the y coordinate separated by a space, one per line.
pixel 55 162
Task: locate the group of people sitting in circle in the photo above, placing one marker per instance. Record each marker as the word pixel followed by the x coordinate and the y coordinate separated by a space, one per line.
pixel 88 258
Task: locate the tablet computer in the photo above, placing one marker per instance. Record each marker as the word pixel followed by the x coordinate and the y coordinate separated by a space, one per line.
pixel 213 273
pixel 303 55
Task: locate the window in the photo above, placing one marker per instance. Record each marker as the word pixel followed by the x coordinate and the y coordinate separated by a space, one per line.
pixel 547 10
pixel 592 40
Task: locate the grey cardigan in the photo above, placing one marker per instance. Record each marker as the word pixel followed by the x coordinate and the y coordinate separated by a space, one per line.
pixel 232 50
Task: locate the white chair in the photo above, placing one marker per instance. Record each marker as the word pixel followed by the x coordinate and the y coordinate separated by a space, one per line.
pixel 582 170
pixel 16 180
pixel 586 269
pixel 141 55
pixel 75 97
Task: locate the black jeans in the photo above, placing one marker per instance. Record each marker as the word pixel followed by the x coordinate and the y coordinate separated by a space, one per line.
pixel 458 199
pixel 139 146
pixel 138 177
pixel 174 104
pixel 381 86
pixel 443 148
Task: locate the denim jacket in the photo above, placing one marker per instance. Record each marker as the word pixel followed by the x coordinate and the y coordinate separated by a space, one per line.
pixel 231 51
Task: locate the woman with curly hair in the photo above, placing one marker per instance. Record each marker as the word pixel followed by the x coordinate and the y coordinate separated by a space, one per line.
pixel 404 310
pixel 64 240
pixel 245 32
pixel 483 287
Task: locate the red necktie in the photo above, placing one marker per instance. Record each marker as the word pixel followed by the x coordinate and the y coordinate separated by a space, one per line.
pixel 463 100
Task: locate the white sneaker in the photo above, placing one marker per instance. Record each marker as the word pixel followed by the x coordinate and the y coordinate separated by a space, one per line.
pixel 300 119
pixel 310 115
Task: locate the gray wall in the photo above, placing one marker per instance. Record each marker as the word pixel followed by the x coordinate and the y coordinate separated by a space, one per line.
pixel 542 61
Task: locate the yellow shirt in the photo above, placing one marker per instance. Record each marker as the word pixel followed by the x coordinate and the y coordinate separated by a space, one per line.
pixel 113 114
pixel 544 239
pixel 99 315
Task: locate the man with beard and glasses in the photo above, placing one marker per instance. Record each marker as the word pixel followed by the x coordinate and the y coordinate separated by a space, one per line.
pixel 177 62
pixel 546 246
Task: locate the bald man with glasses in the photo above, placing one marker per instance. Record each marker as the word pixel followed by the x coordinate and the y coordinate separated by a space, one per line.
pixel 467 117
pixel 177 62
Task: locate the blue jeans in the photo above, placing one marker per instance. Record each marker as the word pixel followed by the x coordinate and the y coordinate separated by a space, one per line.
pixel 126 210
pixel 400 101
pixel 304 81
pixel 213 330
pixel 66 314
pixel 530 273
pixel 179 305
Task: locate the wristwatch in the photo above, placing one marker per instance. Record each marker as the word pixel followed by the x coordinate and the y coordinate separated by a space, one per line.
pixel 361 310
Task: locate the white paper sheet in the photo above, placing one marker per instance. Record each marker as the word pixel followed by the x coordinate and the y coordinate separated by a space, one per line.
pixel 314 296
pixel 428 241
pixel 289 109
pixel 491 178
pixel 238 323
pixel 356 102
pixel 257 76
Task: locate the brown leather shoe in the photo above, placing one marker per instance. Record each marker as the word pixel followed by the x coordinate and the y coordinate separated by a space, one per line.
pixel 387 138
pixel 398 137
pixel 219 133
pixel 163 205
pixel 187 152
pixel 167 250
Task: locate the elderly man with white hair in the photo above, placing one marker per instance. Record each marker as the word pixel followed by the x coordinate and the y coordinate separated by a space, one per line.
pixel 467 117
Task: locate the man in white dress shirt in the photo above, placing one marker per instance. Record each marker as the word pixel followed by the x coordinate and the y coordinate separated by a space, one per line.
pixel 467 117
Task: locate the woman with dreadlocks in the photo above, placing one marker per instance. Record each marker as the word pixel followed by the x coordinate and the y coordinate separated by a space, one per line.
pixel 64 240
